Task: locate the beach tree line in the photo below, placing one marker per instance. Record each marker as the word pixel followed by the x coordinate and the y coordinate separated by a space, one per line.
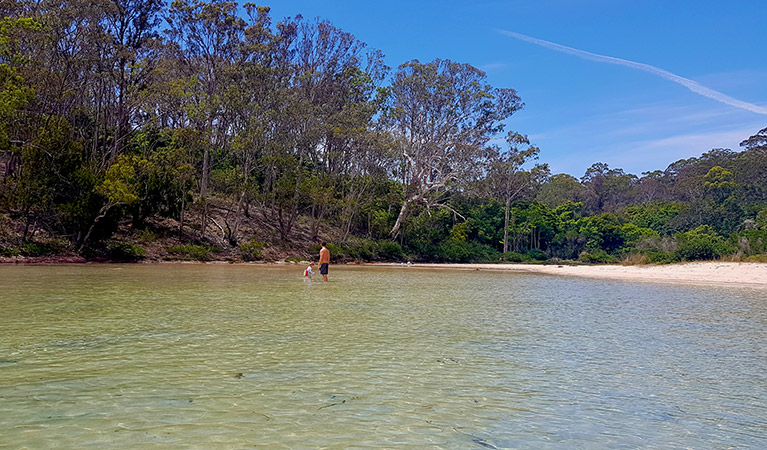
pixel 121 115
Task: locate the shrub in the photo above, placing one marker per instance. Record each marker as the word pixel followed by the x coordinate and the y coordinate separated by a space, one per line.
pixel 537 255
pixel 513 257
pixel 660 257
pixel 388 251
pixel 37 249
pixel 191 252
pixel 146 236
pixel 251 250
pixel 702 243
pixel 597 257
pixel 757 258
pixel 124 251
pixel 9 251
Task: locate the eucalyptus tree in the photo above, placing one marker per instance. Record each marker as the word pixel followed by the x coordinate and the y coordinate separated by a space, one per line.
pixel 209 38
pixel 132 27
pixel 326 84
pixel 442 115
pixel 506 179
pixel 560 189
pixel 64 63
pixel 757 141
pixel 609 189
pixel 15 92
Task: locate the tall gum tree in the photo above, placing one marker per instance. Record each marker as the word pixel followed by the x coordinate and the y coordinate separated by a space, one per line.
pixel 442 115
pixel 506 179
pixel 209 36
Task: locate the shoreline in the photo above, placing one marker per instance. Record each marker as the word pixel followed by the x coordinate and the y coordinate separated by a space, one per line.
pixel 709 273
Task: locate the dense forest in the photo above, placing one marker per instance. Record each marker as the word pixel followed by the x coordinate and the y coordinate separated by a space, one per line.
pixel 135 129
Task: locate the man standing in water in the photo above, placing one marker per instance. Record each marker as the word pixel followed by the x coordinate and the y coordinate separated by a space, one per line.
pixel 324 261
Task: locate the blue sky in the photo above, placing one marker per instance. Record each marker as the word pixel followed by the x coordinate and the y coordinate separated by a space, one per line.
pixel 580 111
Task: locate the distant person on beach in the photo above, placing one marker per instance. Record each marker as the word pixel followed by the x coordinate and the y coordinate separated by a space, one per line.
pixel 324 261
pixel 308 272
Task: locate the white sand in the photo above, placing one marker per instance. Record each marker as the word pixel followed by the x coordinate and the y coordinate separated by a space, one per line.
pixel 699 273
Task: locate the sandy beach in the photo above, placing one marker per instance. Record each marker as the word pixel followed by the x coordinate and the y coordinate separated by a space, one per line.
pixel 698 273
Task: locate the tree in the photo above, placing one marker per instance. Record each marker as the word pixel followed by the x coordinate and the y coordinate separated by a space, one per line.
pixel 610 189
pixel 209 36
pixel 559 189
pixel 757 141
pixel 442 115
pixel 132 25
pixel 118 187
pixel 505 178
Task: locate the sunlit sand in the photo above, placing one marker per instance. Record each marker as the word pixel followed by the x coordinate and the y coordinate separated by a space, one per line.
pixel 701 273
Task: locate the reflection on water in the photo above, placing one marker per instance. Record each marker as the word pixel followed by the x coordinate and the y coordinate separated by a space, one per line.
pixel 227 356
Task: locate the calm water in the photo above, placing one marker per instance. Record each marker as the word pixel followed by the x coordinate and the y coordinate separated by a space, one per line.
pixel 223 356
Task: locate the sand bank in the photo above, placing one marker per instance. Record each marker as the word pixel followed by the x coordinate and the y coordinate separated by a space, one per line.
pixel 699 273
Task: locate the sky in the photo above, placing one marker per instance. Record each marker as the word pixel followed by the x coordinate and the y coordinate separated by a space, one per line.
pixel 636 84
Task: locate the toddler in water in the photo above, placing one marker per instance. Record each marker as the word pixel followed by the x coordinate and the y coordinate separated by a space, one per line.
pixel 308 272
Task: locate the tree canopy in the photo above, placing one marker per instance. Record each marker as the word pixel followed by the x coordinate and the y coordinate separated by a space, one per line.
pixel 210 124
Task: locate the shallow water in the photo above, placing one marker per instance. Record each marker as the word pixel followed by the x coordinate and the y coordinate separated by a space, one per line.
pixel 235 356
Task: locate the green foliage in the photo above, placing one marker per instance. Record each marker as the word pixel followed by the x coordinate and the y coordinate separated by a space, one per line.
pixel 598 256
pixel 658 216
pixel 370 250
pixel 702 243
pixel 38 249
pixel 513 257
pixel 124 251
pixel 336 251
pixel 191 252
pixel 761 219
pixel 456 248
pixel 252 250
pixel 537 255
pixel 226 116
pixel 750 242
pixel 602 232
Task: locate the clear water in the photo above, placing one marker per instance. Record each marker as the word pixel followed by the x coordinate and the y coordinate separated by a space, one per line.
pixel 228 356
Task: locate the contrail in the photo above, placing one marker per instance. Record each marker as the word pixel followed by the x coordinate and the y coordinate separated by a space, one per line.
pixel 689 84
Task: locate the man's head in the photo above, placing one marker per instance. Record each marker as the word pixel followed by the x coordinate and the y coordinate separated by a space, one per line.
pixel 323 244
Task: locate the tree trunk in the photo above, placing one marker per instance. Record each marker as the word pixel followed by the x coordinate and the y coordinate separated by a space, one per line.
pixel 102 213
pixel 402 214
pixel 506 226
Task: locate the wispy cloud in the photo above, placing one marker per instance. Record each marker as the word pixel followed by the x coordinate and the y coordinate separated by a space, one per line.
pixel 689 84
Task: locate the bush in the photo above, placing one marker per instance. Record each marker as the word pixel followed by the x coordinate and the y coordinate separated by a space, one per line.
pixel 251 250
pixel 388 251
pixel 513 257
pixel 660 257
pixel 336 251
pixel 191 252
pixel 537 255
pixel 9 251
pixel 124 251
pixel 597 257
pixel 750 242
pixel 37 249
pixel 702 243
